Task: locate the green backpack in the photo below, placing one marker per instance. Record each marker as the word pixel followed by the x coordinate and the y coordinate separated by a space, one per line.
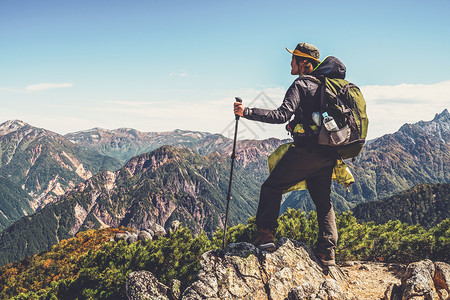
pixel 344 102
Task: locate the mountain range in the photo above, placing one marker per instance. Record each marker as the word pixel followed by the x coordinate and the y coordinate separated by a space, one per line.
pixel 45 165
pixel 187 182
pixel 161 186
pixel 41 165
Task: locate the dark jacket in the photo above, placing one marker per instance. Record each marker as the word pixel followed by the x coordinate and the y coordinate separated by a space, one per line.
pixel 303 96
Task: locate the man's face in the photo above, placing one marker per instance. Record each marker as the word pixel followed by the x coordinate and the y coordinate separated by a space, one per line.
pixel 294 66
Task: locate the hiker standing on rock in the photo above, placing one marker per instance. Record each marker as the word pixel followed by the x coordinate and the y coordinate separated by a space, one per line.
pixel 307 160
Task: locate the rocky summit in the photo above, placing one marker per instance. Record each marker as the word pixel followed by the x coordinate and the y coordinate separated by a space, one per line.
pixel 242 271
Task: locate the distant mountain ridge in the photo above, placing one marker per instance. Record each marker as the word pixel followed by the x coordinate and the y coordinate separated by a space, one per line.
pixel 124 143
pixel 425 204
pixel 44 164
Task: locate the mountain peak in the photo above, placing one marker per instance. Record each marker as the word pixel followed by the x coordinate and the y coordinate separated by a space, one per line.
pixel 442 116
pixel 11 126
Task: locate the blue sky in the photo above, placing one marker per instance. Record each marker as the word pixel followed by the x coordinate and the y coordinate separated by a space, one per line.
pixel 161 65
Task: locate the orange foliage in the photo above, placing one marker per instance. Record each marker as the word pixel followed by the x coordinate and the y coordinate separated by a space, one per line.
pixel 53 265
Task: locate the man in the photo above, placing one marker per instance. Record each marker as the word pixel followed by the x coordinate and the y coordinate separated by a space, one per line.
pixel 307 160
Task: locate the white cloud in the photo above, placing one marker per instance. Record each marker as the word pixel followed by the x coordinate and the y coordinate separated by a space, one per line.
pixel 407 92
pixel 47 86
pixel 391 106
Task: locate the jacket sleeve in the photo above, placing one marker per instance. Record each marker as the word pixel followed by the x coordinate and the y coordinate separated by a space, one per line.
pixel 280 115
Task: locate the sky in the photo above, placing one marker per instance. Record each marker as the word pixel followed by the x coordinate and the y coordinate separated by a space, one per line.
pixel 158 65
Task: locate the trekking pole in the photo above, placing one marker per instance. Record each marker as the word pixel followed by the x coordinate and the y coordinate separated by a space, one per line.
pixel 233 156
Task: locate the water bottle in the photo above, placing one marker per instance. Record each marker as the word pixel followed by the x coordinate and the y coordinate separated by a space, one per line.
pixel 329 122
pixel 336 136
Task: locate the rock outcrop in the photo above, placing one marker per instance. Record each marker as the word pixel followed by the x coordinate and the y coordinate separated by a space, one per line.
pixel 242 271
pixel 422 280
pixel 144 285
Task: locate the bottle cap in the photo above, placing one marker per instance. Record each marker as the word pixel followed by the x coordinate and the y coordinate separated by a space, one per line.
pixel 325 114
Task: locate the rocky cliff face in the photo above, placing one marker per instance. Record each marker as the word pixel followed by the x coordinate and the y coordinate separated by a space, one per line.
pixel 165 185
pixel 291 272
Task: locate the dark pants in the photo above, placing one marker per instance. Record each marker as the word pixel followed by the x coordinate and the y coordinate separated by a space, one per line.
pixel 314 165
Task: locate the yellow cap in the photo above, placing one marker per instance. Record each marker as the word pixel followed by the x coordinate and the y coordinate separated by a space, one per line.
pixel 306 50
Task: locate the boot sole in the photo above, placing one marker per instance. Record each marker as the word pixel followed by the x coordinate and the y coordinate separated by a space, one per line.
pixel 267 247
pixel 328 263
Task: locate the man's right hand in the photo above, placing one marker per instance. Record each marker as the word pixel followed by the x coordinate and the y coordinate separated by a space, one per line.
pixel 239 108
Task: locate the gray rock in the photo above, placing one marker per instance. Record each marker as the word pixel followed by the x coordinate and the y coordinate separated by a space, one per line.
pixel 174 226
pixel 244 272
pixel 145 236
pixel 422 280
pixel 132 238
pixel 418 279
pixel 331 288
pixel 149 231
pixel 432 296
pixel 241 249
pixel 120 236
pixel 301 292
pixel 143 285
pixel 158 230
pixel 336 273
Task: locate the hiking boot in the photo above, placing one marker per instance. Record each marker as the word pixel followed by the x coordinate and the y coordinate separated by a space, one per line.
pixel 326 257
pixel 265 240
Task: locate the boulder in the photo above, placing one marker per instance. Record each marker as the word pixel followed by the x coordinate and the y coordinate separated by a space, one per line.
pixel 242 271
pixel 120 236
pixel 422 280
pixel 418 279
pixel 132 238
pixel 143 285
pixel 158 230
pixel 174 226
pixel 145 236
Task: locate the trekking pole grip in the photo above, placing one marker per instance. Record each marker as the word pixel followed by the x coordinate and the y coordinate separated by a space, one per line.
pixel 238 99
